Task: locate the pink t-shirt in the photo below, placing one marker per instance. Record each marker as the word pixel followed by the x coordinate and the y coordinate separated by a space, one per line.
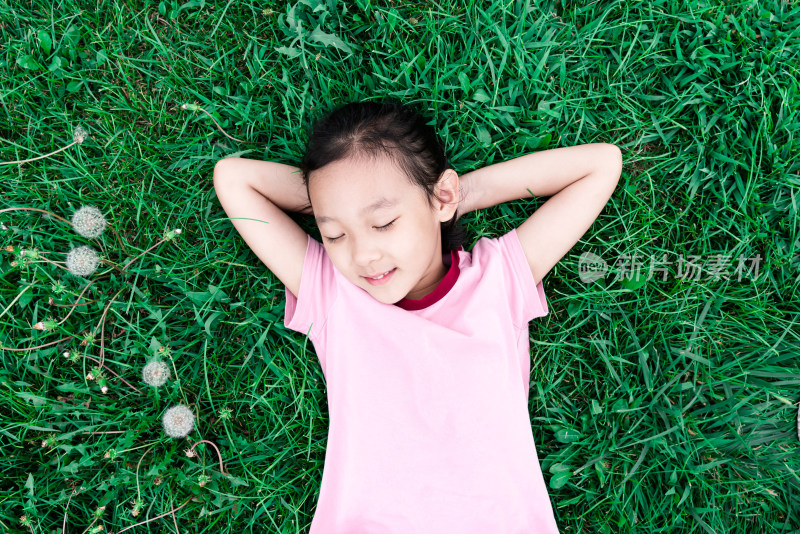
pixel 428 399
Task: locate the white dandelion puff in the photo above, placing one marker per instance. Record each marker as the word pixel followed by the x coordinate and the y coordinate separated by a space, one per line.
pixel 82 261
pixel 79 135
pixel 178 421
pixel 155 373
pixel 88 221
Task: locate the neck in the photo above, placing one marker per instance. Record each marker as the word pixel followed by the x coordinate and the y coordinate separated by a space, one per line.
pixel 429 282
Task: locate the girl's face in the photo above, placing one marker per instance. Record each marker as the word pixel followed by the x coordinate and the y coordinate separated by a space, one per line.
pixel 373 219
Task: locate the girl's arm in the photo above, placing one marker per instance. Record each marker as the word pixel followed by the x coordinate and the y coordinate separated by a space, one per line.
pixel 255 194
pixel 279 182
pixel 579 179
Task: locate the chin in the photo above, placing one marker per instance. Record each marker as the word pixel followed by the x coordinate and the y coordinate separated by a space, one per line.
pixel 384 298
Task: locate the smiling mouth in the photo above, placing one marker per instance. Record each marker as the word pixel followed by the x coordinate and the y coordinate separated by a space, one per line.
pixel 381 278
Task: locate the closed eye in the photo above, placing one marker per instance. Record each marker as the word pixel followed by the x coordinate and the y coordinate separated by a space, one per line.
pixel 385 227
pixel 378 228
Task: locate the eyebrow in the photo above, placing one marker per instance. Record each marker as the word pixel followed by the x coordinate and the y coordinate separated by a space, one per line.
pixel 378 204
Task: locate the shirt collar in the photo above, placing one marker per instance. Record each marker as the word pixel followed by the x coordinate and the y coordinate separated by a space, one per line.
pixel 440 291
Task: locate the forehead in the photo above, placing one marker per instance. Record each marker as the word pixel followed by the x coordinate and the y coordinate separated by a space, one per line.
pixel 379 204
pixel 355 188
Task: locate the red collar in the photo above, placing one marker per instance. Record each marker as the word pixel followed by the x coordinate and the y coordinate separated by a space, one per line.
pixel 440 291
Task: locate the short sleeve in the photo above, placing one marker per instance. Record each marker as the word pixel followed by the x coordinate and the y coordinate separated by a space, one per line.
pixel 308 312
pixel 525 297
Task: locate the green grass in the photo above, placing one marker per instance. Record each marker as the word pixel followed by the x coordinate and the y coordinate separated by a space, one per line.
pixel 656 405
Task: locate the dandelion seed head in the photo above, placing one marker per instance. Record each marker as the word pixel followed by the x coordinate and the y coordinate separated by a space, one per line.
pixel 79 134
pixel 155 373
pixel 178 421
pixel 88 221
pixel 82 261
pixel 170 235
pixel 137 506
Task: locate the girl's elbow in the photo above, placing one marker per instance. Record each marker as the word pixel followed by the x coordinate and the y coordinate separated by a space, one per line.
pixel 615 160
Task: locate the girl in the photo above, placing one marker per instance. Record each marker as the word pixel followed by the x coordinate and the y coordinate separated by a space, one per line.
pixel 424 346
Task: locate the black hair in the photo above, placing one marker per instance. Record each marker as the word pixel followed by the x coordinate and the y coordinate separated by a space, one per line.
pixel 388 128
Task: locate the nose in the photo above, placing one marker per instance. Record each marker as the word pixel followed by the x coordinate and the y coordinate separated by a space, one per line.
pixel 365 251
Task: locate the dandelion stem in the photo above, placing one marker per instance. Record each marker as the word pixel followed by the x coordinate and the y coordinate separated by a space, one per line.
pixel 138 492
pixel 112 372
pixel 62 267
pixel 39 157
pixel 37 209
pixel 119 239
pixel 49 261
pixel 103 325
pixel 215 122
pixel 221 469
pixel 38 346
pixel 53 303
pixel 157 517
pixel 90 525
pixel 15 299
pixel 75 305
pixel 175 521
pixel 124 267
pixel 64 524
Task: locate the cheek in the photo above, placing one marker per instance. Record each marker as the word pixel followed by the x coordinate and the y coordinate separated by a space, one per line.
pixel 413 244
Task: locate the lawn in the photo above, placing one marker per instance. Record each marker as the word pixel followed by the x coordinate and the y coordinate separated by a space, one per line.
pixel 664 391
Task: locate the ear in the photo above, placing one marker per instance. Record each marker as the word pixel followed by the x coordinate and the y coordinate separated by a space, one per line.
pixel 447 195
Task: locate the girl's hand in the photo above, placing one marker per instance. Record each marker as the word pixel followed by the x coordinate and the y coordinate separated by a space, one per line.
pixel 580 180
